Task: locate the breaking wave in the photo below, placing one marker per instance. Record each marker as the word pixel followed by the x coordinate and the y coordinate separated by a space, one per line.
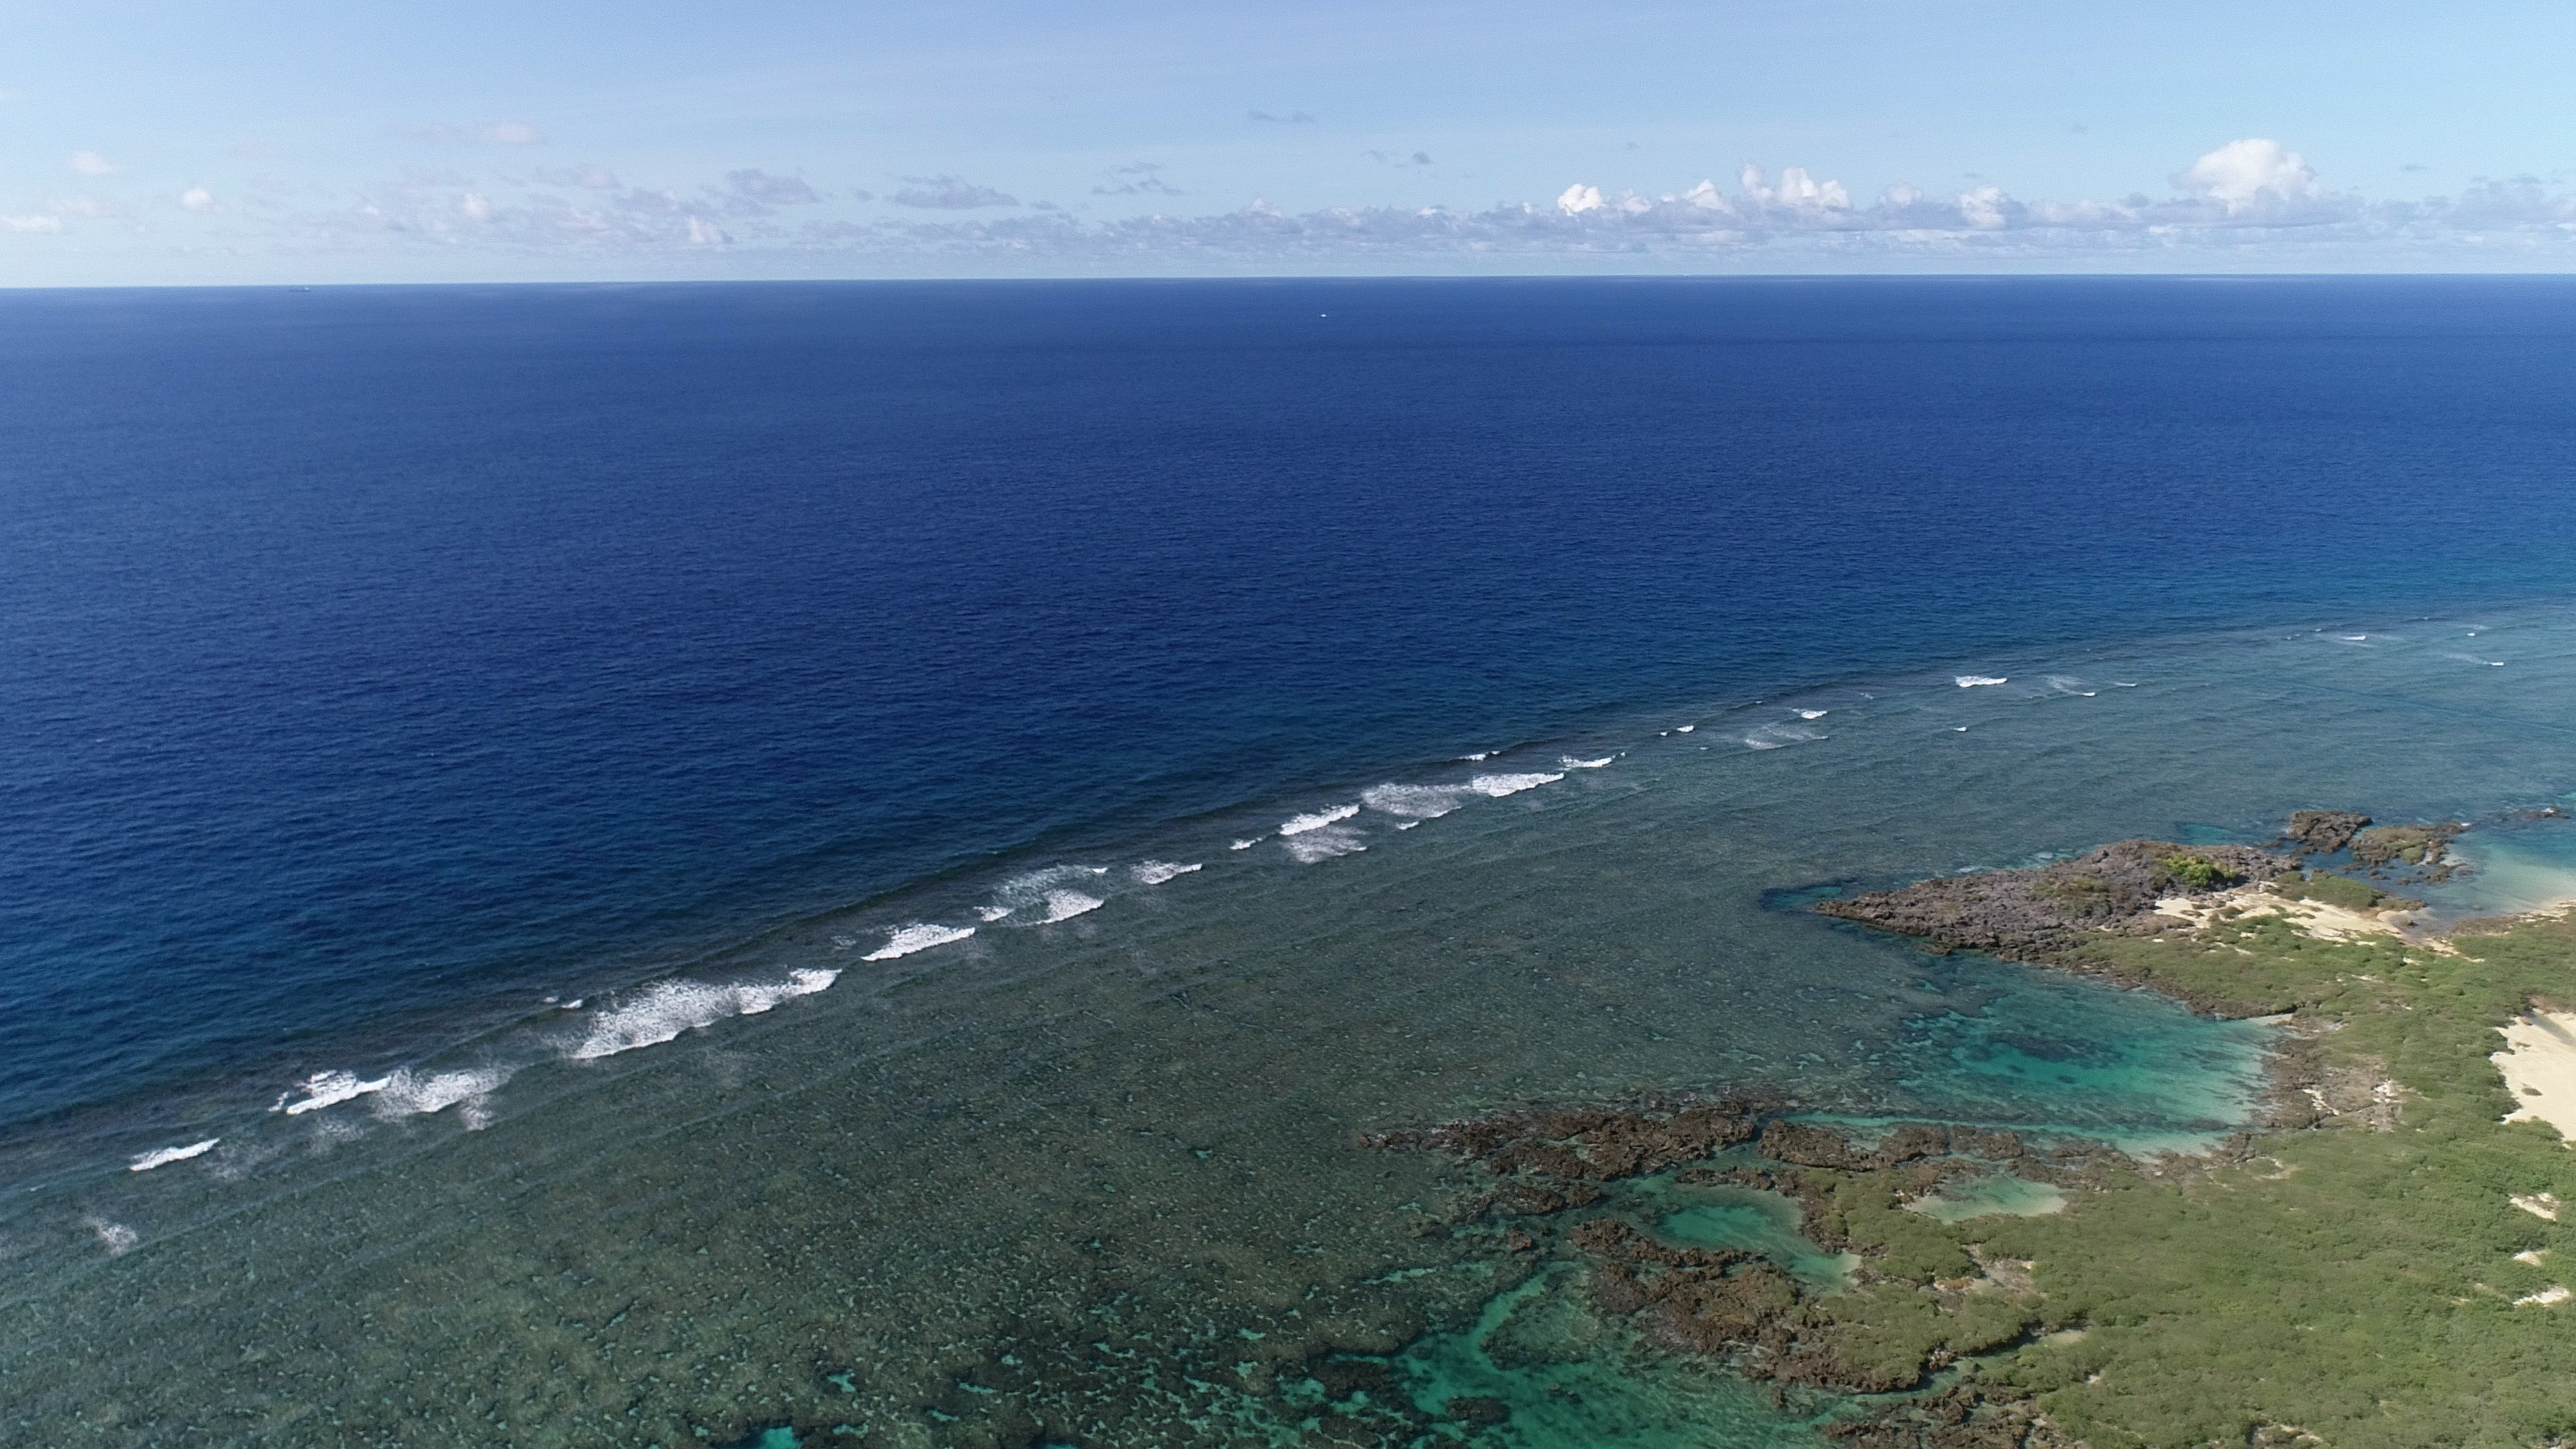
pixel 1065 905
pixel 1323 843
pixel 1301 824
pixel 662 1011
pixel 920 936
pixel 1155 872
pixel 164 1156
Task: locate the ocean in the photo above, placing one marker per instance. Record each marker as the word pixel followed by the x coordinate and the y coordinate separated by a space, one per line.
pixel 675 864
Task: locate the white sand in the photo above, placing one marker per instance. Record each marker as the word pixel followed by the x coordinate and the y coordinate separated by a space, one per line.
pixel 2539 1066
pixel 2312 918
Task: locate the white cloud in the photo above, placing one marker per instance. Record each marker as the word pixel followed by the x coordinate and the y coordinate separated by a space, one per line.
pixel 2244 175
pixel 39 224
pixel 755 188
pixel 90 163
pixel 1986 208
pixel 949 193
pixel 2243 204
pixel 1796 189
pixel 197 198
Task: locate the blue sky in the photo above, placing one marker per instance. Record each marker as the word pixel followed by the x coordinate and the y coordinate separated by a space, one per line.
pixel 197 142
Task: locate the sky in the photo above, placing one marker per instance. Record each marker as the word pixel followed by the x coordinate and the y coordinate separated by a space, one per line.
pixel 185 142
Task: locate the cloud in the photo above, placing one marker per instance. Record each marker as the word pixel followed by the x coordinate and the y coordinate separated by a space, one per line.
pixel 760 188
pixel 1796 189
pixel 36 224
pixel 90 163
pixel 949 193
pixel 197 198
pixel 1418 158
pixel 1265 118
pixel 1136 180
pixel 2237 205
pixel 2250 174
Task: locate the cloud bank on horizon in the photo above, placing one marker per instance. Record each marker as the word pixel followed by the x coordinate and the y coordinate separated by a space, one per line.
pixel 2251 198
pixel 1121 137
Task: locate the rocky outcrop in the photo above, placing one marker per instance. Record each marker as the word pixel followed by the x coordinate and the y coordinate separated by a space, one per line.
pixel 2383 846
pixel 2323 832
pixel 2043 913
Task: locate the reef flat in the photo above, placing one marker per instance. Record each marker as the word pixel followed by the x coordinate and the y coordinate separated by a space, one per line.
pixel 2376 1264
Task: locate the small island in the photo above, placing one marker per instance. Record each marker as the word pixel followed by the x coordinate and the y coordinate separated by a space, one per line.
pixel 2378 1262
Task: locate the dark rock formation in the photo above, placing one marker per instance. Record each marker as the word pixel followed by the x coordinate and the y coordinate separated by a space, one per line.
pixel 2041 914
pixel 2323 832
pixel 2420 845
pixel 1576 1145
pixel 1961 1417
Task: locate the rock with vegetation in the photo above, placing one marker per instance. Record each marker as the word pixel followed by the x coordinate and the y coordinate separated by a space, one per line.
pixel 2323 832
pixel 2382 1266
pixel 2383 846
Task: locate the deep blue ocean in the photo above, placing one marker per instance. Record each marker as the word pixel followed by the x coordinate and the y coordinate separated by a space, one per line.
pixel 374 659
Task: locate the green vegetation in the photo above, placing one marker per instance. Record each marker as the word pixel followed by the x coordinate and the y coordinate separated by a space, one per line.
pixel 2357 1281
pixel 2196 872
pixel 2326 889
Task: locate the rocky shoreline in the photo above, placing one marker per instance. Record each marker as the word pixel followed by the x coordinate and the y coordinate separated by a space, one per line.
pixel 1556 1169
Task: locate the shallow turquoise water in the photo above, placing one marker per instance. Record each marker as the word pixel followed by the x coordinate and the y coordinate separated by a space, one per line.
pixel 1095 1174
pixel 1989 1197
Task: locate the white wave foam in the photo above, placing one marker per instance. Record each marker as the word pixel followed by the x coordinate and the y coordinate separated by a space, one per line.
pixel 1155 872
pixel 117 1238
pixel 1247 844
pixel 1571 763
pixel 1972 681
pixel 1813 713
pixel 2069 684
pixel 408 1095
pixel 1479 755
pixel 1407 824
pixel 164 1156
pixel 2353 638
pixel 1684 729
pixel 1776 736
pixel 1033 890
pixel 1065 905
pixel 1414 802
pixel 1323 843
pixel 918 936
pixel 1958 729
pixel 329 1089
pixel 662 1011
pixel 1498 786
pixel 2124 684
pixel 1300 824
